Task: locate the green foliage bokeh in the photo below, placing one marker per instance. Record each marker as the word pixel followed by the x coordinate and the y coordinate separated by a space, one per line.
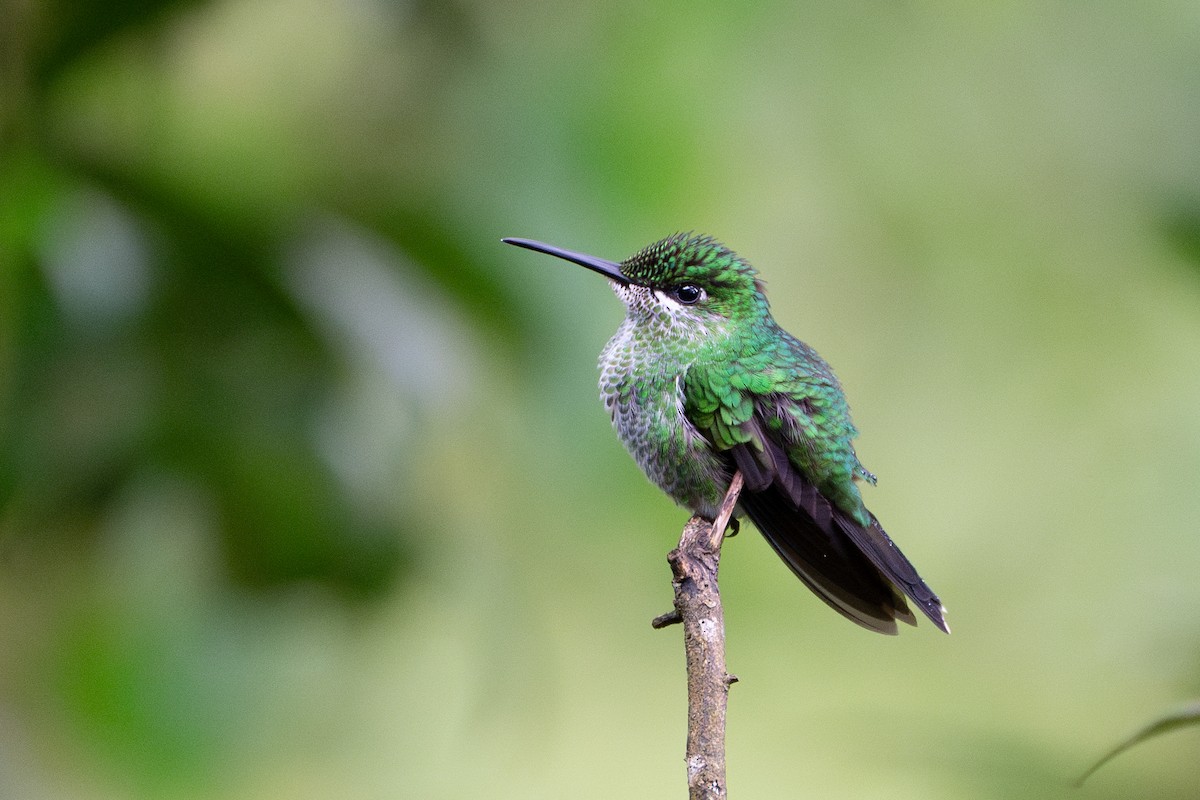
pixel 304 487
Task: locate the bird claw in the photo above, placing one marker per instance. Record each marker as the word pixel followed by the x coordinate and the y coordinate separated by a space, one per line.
pixel 733 529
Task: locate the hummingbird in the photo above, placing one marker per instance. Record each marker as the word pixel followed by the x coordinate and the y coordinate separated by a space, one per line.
pixel 701 381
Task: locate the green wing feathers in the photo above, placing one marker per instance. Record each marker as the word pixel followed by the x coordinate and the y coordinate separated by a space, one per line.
pixel 802 413
pixel 789 433
pixel 719 409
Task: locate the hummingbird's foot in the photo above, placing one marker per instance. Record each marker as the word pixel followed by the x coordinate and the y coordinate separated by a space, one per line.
pixel 735 527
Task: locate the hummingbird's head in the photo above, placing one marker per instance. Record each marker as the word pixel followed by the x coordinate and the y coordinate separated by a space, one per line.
pixel 696 271
pixel 685 278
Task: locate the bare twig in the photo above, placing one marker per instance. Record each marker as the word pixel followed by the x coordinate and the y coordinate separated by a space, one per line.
pixel 694 564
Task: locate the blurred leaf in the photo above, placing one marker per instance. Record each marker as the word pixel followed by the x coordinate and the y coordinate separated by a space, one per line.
pixel 449 250
pixel 1180 718
pixel 151 700
pixel 69 28
pixel 219 377
pixel 1181 226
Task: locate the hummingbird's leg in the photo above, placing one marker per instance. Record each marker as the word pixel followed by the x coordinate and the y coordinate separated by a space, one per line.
pixel 725 514
pixel 735 527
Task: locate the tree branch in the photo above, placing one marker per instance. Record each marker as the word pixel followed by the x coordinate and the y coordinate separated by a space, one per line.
pixel 694 564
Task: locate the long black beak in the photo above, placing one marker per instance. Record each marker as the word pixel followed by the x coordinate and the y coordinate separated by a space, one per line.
pixel 609 269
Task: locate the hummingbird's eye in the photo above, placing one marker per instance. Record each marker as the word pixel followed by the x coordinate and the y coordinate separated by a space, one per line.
pixel 688 293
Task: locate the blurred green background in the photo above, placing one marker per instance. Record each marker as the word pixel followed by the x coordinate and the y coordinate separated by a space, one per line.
pixel 305 491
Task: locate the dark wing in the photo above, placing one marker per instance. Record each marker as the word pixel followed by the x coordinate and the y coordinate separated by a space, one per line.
pixel 856 569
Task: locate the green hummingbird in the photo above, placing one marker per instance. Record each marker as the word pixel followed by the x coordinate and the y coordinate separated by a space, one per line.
pixel 701 381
